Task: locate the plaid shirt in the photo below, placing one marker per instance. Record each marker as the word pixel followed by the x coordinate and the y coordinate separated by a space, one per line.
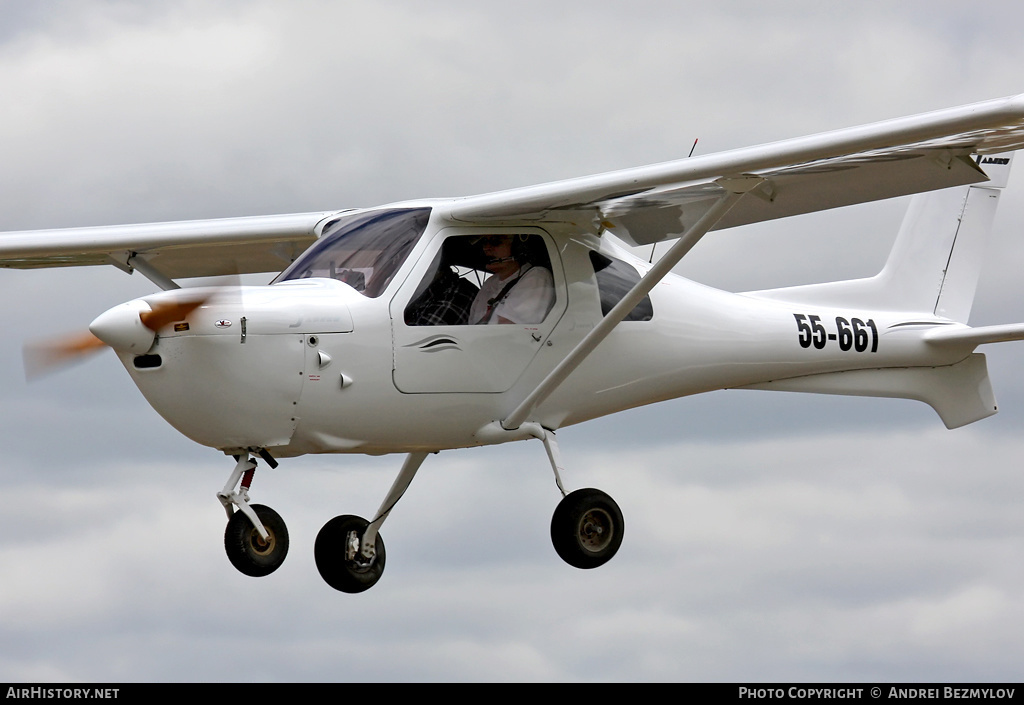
pixel 445 302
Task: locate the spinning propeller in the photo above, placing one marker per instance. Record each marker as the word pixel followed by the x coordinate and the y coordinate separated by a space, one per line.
pixel 130 327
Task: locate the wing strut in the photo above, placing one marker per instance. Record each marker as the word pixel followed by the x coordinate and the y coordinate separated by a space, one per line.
pixel 152 273
pixel 735 189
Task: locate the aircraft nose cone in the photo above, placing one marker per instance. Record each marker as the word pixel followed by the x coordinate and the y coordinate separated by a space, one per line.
pixel 122 329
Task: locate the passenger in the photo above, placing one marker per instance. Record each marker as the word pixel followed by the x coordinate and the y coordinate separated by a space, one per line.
pixel 445 302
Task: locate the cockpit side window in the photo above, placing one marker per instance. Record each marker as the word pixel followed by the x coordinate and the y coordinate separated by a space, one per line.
pixel 485 279
pixel 614 279
pixel 364 250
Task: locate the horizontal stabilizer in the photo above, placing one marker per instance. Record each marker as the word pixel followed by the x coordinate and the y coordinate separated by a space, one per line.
pixel 960 393
pixel 974 337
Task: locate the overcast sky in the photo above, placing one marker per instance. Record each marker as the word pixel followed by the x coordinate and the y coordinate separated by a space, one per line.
pixel 768 536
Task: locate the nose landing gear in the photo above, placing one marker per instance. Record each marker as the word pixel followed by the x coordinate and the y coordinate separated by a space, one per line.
pixel 248 551
pixel 256 538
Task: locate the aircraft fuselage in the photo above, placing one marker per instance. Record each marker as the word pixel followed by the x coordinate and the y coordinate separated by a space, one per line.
pixel 314 366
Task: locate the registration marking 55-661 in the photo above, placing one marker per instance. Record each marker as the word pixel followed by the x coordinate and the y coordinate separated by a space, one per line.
pixel 854 334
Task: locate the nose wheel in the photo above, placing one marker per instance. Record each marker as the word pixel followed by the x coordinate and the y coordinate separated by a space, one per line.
pixel 256 538
pixel 340 559
pixel 248 551
pixel 586 528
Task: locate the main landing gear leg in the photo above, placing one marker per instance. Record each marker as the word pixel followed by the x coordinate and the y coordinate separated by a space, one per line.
pixel 551 446
pixel 587 526
pixel 349 551
pixel 256 538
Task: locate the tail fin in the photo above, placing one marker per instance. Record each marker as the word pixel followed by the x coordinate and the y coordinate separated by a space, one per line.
pixel 936 260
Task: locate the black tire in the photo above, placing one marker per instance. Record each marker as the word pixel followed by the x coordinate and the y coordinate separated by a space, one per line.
pixel 329 552
pixel 249 553
pixel 586 528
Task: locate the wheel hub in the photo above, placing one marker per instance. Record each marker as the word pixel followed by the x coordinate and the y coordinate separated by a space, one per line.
pixel 261 546
pixel 595 530
pixel 359 562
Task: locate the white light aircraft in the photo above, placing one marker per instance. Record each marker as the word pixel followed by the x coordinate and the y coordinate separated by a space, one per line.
pixel 447 323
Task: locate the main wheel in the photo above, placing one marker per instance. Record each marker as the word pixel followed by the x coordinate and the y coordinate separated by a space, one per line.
pixel 330 548
pixel 248 551
pixel 586 529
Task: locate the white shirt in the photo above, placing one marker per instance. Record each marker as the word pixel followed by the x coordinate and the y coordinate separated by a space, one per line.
pixel 527 301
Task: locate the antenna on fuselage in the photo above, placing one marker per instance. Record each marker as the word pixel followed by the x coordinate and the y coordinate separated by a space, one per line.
pixel 651 260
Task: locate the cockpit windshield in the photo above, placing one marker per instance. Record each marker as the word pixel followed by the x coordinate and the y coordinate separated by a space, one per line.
pixel 364 250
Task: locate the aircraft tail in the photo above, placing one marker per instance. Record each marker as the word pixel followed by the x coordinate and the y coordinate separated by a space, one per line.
pixel 933 268
pixel 934 264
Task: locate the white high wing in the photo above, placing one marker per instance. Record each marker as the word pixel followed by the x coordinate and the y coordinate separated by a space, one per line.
pixel 446 323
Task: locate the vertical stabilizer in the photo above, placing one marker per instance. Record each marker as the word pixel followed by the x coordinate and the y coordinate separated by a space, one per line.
pixel 936 260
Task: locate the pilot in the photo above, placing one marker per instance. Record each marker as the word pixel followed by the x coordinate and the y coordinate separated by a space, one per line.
pixel 519 292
